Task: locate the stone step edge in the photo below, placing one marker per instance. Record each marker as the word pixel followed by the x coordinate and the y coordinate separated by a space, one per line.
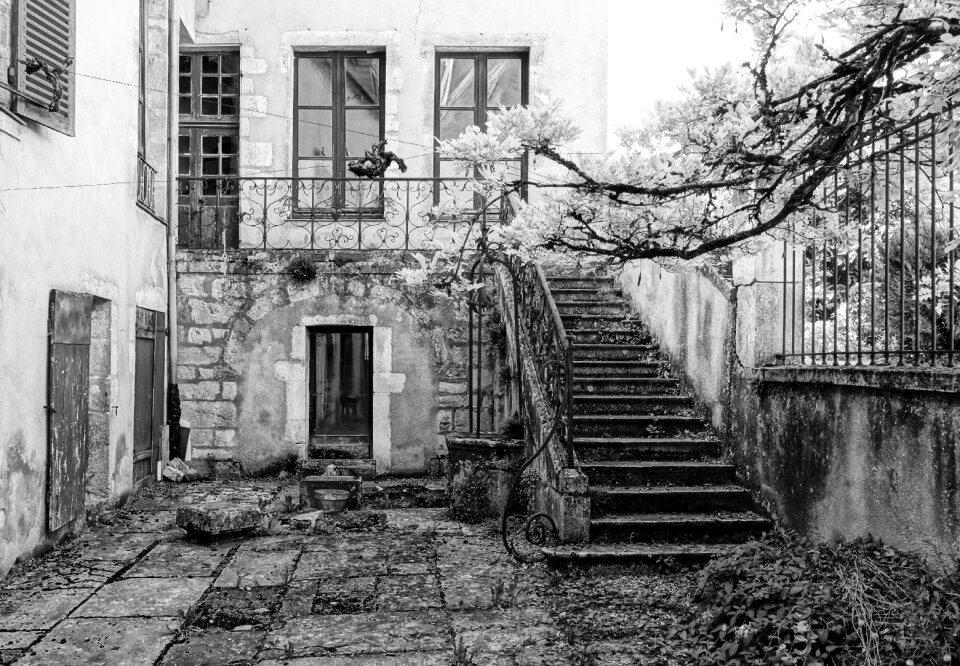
pixel 635 552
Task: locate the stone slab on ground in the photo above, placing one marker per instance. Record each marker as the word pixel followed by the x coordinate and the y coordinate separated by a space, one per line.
pixel 216 519
pixel 340 564
pixel 311 485
pixel 18 640
pixel 60 572
pixel 511 636
pixel 408 593
pixel 28 610
pixel 116 641
pixel 172 559
pixel 407 659
pixel 138 597
pixel 215 648
pixel 365 468
pixel 365 633
pixel 250 568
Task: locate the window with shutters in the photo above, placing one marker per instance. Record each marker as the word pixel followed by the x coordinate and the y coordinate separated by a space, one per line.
pixel 43 77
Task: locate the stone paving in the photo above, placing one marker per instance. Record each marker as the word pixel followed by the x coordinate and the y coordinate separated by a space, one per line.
pixel 422 590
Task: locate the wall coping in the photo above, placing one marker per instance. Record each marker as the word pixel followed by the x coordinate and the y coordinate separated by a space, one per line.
pixel 938 380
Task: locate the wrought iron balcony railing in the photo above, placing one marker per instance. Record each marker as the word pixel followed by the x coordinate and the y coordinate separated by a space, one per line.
pixel 146 185
pixel 232 213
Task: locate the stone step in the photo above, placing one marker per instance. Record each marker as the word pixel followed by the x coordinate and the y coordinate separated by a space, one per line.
pixel 658 472
pixel 635 553
pixel 604 352
pixel 624 385
pixel 365 468
pixel 593 308
pixel 612 322
pixel 630 404
pixel 669 499
pixel 602 293
pixel 607 335
pixel 607 449
pixel 616 368
pixel 636 425
pixel 714 527
pixel 579 281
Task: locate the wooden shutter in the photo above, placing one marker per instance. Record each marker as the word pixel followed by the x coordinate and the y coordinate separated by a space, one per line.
pixel 46 31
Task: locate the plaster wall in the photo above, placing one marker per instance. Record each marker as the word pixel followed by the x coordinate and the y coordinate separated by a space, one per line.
pixel 831 452
pixel 567 42
pixel 70 221
pixel 243 373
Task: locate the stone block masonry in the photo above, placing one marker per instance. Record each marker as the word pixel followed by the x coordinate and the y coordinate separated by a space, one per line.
pixel 243 355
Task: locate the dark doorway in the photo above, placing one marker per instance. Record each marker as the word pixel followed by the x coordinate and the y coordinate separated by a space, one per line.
pixel 341 392
pixel 148 402
pixel 68 391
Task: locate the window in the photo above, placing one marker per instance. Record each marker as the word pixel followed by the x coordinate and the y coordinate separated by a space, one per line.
pixel 338 110
pixel 209 149
pixel 45 35
pixel 469 87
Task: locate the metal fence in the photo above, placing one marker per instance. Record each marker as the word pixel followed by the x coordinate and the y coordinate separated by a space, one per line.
pixel 874 282
pixel 320 213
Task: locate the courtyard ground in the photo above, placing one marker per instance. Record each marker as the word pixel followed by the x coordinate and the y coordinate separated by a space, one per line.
pixel 420 590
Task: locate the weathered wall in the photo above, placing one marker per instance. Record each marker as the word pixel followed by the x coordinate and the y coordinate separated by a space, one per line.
pixel 832 452
pixel 243 347
pixel 567 41
pixel 91 238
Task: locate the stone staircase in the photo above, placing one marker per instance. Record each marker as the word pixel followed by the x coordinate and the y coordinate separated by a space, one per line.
pixel 657 484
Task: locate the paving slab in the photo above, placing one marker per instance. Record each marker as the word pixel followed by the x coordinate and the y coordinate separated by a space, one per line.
pixel 340 564
pixel 235 608
pixel 299 597
pixel 111 546
pixel 116 641
pixel 145 597
pixel 172 559
pixel 345 596
pixel 481 587
pixel 422 520
pixel 60 572
pixel 215 648
pixel 408 593
pixel 518 635
pixel 27 610
pixel 406 659
pixel 15 640
pixel 367 633
pixel 146 521
pixel 250 568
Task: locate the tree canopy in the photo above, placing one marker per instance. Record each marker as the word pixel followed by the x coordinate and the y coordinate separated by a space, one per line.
pixel 746 148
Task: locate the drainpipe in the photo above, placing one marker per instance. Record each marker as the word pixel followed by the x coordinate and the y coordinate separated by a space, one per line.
pixel 173 52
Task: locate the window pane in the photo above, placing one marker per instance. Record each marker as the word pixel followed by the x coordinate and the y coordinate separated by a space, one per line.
pixel 228 106
pixel 210 145
pixel 452 123
pixel 454 191
pixel 208 64
pixel 230 145
pixel 210 85
pixel 185 105
pixel 315 169
pixel 503 81
pixel 185 165
pixel 208 106
pixel 315 82
pixel 228 85
pixel 186 63
pixel 184 144
pixel 185 84
pixel 230 64
pixel 362 77
pixel 229 166
pixel 363 130
pixel 456 82
pixel 315 133
pixel 360 192
pixel 211 166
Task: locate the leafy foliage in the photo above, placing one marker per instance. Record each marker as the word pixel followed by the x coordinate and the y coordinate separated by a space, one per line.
pixel 782 600
pixel 469 494
pixel 302 269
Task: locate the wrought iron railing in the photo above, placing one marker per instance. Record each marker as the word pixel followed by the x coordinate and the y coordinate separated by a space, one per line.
pixel 877 282
pixel 146 185
pixel 230 213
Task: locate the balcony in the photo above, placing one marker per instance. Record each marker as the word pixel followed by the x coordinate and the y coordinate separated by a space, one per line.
pixel 146 185
pixel 241 213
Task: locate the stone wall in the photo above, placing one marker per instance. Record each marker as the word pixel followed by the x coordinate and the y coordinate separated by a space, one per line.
pixel 831 452
pixel 242 366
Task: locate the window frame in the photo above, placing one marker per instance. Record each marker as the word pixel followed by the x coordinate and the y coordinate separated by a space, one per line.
pixel 195 117
pixel 338 105
pixel 480 108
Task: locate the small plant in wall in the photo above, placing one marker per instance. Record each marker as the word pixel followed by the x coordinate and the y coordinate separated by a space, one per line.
pixel 301 269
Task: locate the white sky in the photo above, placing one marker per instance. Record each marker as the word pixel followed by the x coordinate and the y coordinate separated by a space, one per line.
pixel 652 45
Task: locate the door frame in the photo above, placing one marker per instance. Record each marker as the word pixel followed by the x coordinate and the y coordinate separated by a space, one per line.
pixel 150 325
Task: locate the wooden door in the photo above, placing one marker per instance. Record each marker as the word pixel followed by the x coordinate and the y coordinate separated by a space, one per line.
pixel 148 392
pixel 68 391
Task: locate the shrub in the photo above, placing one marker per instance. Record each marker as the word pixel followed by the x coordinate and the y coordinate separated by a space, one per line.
pixel 783 600
pixel 301 269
